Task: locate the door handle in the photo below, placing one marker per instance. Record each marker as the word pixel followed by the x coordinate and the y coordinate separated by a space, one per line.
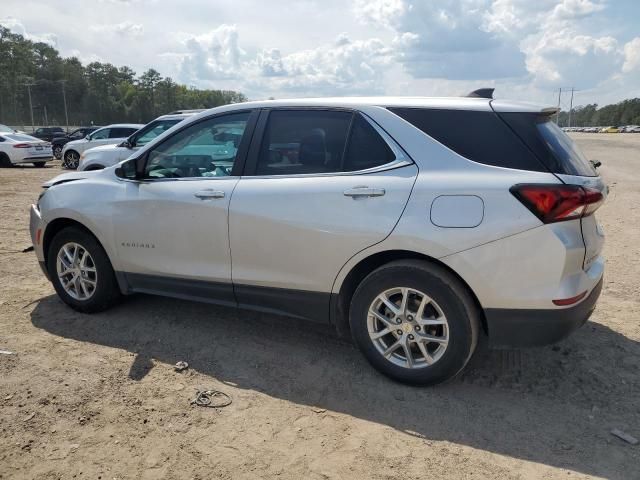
pixel 356 192
pixel 207 194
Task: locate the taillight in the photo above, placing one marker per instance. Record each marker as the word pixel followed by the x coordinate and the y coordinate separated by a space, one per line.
pixel 556 203
pixel 22 145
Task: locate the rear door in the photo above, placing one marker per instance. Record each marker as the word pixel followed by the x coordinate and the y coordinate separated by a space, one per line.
pixel 319 186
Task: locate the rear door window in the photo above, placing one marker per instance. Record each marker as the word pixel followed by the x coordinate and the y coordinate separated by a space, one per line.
pixel 303 142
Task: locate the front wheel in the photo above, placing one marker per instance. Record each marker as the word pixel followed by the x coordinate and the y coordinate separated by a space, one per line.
pixel 81 272
pixel 57 151
pixel 71 160
pixel 414 322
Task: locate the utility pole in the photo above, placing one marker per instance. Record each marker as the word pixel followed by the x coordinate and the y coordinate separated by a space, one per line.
pixel 571 106
pixel 28 85
pixel 46 119
pixel 558 112
pixel 64 98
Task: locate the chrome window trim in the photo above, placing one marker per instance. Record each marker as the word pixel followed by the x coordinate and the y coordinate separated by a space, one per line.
pixel 191 179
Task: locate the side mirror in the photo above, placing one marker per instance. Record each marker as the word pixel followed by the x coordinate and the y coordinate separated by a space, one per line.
pixel 596 163
pixel 127 170
pixel 88 138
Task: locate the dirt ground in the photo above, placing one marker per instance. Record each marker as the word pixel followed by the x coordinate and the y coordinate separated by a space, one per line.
pixel 97 397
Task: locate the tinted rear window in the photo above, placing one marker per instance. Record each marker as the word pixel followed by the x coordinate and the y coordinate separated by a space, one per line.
pixel 549 143
pixel 479 136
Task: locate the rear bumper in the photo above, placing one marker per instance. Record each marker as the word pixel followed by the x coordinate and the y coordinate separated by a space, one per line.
pixel 535 327
pixel 31 159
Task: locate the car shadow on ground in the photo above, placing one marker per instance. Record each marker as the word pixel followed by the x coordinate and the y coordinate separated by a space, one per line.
pixel 513 403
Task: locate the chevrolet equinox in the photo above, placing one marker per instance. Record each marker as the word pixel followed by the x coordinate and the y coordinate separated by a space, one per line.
pixel 412 224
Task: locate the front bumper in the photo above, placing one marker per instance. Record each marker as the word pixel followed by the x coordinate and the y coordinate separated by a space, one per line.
pixel 535 327
pixel 36 229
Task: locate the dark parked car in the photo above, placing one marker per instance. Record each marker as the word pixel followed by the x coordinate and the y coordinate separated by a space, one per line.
pixel 60 141
pixel 48 133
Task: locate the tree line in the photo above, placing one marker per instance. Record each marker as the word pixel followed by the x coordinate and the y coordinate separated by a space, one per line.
pixel 626 112
pixel 98 93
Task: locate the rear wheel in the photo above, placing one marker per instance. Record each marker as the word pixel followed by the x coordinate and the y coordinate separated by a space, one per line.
pixel 4 161
pixel 414 322
pixel 81 272
pixel 71 159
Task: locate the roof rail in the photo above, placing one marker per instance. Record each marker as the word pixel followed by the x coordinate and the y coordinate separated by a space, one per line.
pixel 482 93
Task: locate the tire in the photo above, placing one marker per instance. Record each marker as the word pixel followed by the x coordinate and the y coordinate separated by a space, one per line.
pixel 57 151
pixel 451 307
pixel 105 292
pixel 4 161
pixel 39 164
pixel 71 160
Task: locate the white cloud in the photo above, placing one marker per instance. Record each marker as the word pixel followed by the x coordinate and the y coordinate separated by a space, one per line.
pixel 340 66
pixel 631 56
pixel 125 28
pixel 213 55
pixel 16 26
pixel 526 48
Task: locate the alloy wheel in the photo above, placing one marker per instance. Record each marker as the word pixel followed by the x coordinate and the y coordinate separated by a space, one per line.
pixel 76 271
pixel 72 159
pixel 408 328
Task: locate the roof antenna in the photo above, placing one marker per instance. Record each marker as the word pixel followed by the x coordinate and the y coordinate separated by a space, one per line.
pixel 482 93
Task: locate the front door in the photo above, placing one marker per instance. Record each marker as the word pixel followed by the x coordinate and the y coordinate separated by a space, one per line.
pixel 171 227
pixel 321 186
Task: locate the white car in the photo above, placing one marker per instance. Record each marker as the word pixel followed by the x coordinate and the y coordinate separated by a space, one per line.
pixel 20 148
pixel 107 155
pixel 414 225
pixel 109 135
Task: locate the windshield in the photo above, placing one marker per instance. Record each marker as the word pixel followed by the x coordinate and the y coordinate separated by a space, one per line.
pixel 151 131
pixel 565 149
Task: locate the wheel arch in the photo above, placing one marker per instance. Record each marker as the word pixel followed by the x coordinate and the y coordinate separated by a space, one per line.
pixel 5 160
pixel 58 224
pixel 341 300
pixel 69 150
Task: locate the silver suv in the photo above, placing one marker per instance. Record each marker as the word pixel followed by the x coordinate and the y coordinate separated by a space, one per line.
pixel 413 224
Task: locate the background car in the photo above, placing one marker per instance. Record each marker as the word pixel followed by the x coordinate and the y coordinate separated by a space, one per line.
pixel 20 148
pixel 48 133
pixel 6 129
pixel 59 142
pixel 610 130
pixel 107 155
pixel 109 135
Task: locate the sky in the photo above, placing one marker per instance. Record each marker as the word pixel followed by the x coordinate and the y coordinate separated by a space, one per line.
pixel 526 49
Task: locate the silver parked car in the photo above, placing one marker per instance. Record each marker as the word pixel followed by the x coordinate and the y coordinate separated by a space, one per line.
pixel 414 224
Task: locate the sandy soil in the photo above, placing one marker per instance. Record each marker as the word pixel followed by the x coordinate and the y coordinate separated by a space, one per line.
pixel 97 397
